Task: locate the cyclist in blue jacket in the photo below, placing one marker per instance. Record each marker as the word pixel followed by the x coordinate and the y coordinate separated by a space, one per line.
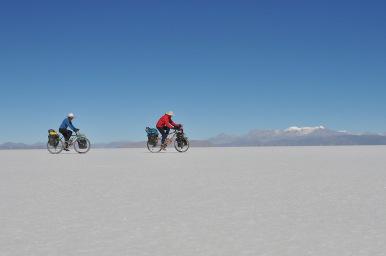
pixel 67 123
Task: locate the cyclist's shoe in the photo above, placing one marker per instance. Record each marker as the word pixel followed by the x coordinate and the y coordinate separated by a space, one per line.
pixel 66 146
pixel 163 146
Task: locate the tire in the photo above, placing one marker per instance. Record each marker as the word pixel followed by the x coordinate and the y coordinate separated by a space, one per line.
pixel 82 150
pixel 154 148
pixel 55 150
pixel 184 148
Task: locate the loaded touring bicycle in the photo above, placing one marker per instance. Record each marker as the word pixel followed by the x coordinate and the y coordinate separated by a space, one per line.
pixel 56 142
pixel 181 142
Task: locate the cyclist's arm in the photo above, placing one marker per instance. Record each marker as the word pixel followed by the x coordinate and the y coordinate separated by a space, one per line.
pixel 72 127
pixel 173 124
pixel 170 125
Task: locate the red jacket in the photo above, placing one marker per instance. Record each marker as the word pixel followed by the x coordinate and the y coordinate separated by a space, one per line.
pixel 166 120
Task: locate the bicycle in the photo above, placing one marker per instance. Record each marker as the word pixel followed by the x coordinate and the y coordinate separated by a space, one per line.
pixel 79 141
pixel 181 142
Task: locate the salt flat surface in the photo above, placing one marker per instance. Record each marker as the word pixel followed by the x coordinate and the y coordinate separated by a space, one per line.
pixel 208 201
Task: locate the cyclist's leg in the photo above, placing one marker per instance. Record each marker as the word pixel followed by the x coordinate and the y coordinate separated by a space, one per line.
pixel 167 130
pixel 164 144
pixel 164 133
pixel 67 135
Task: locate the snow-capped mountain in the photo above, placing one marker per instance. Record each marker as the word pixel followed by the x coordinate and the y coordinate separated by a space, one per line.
pixel 304 130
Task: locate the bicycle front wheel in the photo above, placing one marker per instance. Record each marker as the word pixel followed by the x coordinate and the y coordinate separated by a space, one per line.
pixel 55 148
pixel 181 145
pixel 82 145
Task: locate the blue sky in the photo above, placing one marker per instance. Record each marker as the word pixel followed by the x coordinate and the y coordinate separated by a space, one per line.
pixel 221 66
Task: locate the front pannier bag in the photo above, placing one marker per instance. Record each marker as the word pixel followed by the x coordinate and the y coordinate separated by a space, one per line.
pixel 82 142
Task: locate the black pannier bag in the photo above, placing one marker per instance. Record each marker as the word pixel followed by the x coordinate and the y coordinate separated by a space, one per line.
pixel 82 143
pixel 53 138
pixel 153 140
pixel 181 140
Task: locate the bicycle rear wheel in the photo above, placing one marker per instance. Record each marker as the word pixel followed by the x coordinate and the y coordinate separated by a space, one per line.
pixel 56 148
pixel 154 147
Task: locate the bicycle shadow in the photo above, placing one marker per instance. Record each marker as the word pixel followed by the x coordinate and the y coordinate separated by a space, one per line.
pixel 70 153
pixel 164 152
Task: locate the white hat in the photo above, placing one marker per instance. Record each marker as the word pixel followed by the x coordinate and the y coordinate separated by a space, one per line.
pixel 170 113
pixel 71 115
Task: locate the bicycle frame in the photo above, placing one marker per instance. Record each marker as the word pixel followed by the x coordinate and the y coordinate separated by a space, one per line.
pixel 73 138
pixel 171 137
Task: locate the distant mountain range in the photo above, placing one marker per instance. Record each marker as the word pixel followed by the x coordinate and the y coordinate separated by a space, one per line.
pixel 299 136
pixel 12 145
pixel 293 136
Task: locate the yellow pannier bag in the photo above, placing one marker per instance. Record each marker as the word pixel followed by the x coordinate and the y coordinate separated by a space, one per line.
pixel 52 133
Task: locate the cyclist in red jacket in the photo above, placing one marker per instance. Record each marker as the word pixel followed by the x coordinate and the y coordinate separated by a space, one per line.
pixel 164 124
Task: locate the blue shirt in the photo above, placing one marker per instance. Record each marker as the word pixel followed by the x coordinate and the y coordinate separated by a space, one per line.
pixel 67 123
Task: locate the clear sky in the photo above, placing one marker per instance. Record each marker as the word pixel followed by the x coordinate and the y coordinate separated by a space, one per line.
pixel 221 66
